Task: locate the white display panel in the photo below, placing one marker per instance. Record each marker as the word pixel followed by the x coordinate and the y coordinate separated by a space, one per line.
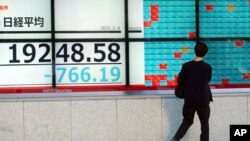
pixel 22 19
pixel 89 19
pixel 27 76
pixel 99 63
pixel 25 64
pixel 135 12
pixel 137 66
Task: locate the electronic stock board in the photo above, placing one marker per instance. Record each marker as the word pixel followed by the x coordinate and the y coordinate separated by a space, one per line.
pixel 82 44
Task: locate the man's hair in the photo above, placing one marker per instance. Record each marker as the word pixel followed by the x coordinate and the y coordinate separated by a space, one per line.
pixel 200 49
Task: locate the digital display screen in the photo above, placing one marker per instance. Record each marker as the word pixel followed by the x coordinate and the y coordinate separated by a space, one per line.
pixel 25 19
pixel 163 61
pixel 83 45
pixel 99 63
pixel 169 19
pixel 224 18
pixel 25 63
pixel 92 63
pixel 89 19
pixel 230 62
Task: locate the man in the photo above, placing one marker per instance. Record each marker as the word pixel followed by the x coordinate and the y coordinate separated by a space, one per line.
pixel 195 76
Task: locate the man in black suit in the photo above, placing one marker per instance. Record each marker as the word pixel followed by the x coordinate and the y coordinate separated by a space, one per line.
pixel 195 76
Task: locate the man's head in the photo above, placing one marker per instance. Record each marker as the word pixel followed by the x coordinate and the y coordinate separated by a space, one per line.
pixel 200 49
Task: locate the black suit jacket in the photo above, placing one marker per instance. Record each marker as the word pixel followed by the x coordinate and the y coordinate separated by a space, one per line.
pixel 195 76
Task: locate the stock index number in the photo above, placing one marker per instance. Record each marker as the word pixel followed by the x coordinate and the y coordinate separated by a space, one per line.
pixel 29 51
pixel 76 54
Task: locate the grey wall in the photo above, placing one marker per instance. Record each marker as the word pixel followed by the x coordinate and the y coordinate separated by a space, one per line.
pixel 116 118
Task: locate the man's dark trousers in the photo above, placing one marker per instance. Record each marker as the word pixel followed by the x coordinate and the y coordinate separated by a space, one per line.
pixel 188 112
